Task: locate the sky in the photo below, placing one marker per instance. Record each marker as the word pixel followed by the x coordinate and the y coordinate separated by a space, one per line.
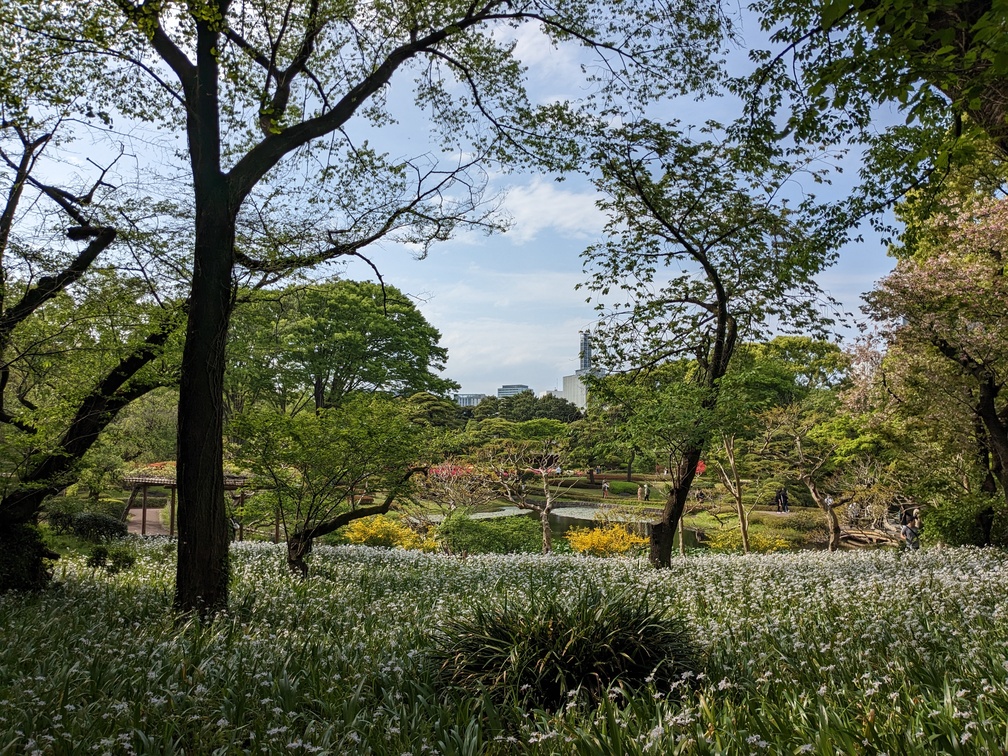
pixel 506 305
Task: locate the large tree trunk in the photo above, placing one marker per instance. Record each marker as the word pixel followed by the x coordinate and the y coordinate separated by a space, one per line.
pixel 201 582
pixel 660 554
pixel 663 533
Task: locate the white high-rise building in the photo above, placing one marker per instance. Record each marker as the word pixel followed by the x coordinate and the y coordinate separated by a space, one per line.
pixel 574 390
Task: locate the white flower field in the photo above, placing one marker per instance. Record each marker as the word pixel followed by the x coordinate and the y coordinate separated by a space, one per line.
pixel 861 652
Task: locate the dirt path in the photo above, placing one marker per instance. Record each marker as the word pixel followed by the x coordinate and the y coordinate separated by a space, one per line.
pixel 154 526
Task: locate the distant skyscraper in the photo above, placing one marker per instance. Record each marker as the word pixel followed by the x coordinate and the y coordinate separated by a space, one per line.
pixel 511 389
pixel 469 400
pixel 585 362
pixel 574 390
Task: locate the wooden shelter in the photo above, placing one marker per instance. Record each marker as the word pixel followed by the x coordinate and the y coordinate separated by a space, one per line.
pixel 140 484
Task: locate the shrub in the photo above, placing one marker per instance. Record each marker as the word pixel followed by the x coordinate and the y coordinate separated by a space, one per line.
pixel 623 487
pixel 605 541
pixel 381 531
pixel 730 541
pixel 93 526
pixel 113 560
pixel 61 510
pixel 25 562
pixel 518 534
pixel 542 652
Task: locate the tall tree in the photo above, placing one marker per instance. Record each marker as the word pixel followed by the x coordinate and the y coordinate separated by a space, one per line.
pixel 705 249
pixel 323 470
pixel 320 343
pixel 953 303
pixel 268 97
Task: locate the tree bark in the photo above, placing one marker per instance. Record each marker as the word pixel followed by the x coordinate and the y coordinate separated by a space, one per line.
pixel 662 537
pixel 547 532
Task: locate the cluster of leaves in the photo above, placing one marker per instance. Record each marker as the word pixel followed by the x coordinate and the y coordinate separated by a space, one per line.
pixel 61 511
pixel 544 650
pixel 526 406
pixel 315 346
pixel 610 540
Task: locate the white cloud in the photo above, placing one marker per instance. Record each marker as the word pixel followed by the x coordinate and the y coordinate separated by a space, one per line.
pixel 543 205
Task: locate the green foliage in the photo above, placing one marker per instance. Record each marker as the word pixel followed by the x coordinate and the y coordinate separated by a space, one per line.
pixel 460 534
pixel 98 527
pixel 967 520
pixel 525 407
pixel 313 465
pixel 24 559
pixel 112 559
pixel 541 651
pixel 317 345
pixel 60 511
pixel 626 488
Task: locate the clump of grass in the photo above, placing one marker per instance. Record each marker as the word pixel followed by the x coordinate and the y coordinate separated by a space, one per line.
pixel 544 650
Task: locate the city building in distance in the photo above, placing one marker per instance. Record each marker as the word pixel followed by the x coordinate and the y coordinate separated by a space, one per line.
pixel 511 389
pixel 469 400
pixel 574 390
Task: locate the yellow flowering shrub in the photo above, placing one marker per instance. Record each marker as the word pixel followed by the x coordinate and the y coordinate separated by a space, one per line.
pixel 382 531
pixel 730 541
pixel 605 541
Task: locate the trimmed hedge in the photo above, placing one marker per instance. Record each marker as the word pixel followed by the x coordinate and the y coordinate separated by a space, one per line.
pixel 498 535
pixel 94 526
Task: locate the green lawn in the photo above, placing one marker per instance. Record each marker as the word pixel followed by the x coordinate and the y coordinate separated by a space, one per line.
pixel 861 652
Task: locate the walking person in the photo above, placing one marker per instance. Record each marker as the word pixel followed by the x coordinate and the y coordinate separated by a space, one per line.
pixel 911 524
pixel 647 492
pixel 605 489
pixel 640 492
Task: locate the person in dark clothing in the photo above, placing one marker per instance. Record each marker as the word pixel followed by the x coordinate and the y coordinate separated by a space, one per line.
pixel 781 499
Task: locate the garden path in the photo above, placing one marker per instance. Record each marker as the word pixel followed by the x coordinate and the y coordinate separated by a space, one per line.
pixel 154 526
